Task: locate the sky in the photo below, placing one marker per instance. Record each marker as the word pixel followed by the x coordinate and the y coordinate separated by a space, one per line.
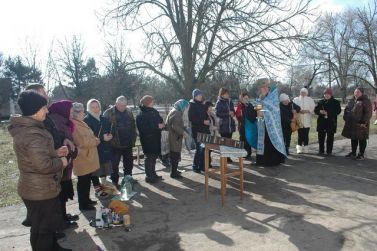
pixel 39 22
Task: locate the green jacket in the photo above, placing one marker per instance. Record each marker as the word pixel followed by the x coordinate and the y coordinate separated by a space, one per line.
pixel 176 128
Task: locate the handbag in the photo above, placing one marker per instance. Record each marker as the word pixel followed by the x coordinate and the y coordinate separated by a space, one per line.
pixel 295 122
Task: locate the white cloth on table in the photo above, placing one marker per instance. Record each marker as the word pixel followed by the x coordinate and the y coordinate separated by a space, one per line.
pixel 232 152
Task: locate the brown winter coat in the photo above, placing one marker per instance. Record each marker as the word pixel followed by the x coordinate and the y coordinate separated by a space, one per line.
pixel 40 168
pixel 357 116
pixel 87 160
pixel 176 128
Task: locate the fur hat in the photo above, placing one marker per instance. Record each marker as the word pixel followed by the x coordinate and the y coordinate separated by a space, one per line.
pixel 30 102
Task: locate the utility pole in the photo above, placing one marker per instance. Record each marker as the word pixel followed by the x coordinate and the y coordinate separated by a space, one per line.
pixel 328 54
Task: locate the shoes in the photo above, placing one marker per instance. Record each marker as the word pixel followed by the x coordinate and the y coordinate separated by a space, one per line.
pixel 151 180
pixel 305 149
pixel 158 177
pixel 375 122
pixel 26 223
pixel 87 208
pixel 176 175
pixel 197 170
pixel 72 217
pixel 299 149
pixel 329 155
pixel 92 202
pixel 69 224
pixel 321 153
pixel 360 157
pixel 351 155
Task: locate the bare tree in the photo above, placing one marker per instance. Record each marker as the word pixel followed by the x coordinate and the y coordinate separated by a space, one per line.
pixel 71 61
pixel 188 40
pixel 335 33
pixel 366 34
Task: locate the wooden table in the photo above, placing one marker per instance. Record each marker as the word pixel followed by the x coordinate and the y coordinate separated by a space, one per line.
pixel 223 170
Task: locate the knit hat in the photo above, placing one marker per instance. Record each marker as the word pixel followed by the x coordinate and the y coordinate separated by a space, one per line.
pixel 146 100
pixel 283 97
pixel 304 90
pixel 30 102
pixel 63 108
pixel 328 91
pixel 196 92
pixel 181 105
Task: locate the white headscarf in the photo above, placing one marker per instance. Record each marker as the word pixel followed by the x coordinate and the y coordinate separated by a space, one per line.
pixel 95 115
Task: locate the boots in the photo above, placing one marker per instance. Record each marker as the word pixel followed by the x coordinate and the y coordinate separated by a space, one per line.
pixel 299 149
pixel 175 174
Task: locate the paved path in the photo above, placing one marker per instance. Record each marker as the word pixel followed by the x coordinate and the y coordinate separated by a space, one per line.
pixel 309 203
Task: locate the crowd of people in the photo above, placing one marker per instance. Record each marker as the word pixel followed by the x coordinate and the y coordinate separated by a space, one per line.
pixel 54 141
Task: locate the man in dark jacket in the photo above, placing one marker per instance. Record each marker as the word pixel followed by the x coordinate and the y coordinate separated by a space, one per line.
pixel 198 117
pixel 149 123
pixel 327 110
pixel 287 109
pixel 123 129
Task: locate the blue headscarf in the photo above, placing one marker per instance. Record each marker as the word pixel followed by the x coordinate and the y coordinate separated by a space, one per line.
pixel 181 105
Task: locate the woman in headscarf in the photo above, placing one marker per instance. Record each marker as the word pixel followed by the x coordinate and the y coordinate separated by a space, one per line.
pixel 307 106
pixel 268 138
pixel 177 131
pixel 60 113
pixel 101 128
pixel 357 115
pixel 87 161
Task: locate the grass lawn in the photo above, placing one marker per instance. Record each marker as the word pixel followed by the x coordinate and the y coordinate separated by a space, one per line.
pixel 8 170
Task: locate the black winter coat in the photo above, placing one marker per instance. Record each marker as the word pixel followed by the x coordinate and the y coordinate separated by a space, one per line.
pixel 150 134
pixel 329 124
pixel 223 108
pixel 286 113
pixel 197 113
pixel 100 128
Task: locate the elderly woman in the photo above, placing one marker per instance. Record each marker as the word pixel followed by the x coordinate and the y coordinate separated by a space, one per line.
pixel 60 115
pixel 357 115
pixel 101 128
pixel 87 160
pixel 287 111
pixel 40 171
pixel 307 106
pixel 176 128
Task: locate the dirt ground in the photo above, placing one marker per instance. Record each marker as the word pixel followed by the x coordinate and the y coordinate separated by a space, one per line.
pixel 308 203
